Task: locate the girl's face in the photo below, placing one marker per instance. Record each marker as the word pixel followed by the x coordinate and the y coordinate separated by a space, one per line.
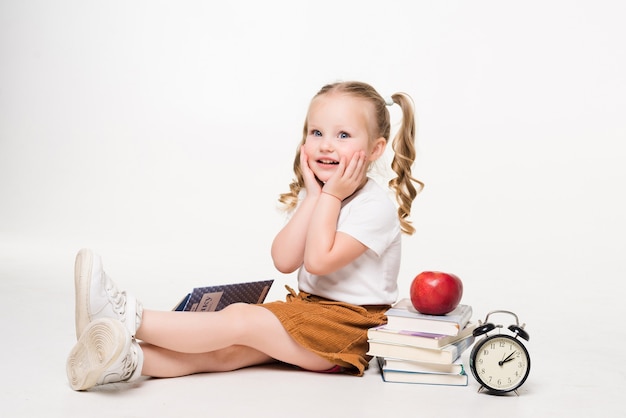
pixel 338 127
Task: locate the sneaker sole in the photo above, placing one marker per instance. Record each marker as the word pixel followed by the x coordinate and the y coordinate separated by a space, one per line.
pixel 97 349
pixel 82 279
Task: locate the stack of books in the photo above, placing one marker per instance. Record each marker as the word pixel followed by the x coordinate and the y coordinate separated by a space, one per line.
pixel 417 348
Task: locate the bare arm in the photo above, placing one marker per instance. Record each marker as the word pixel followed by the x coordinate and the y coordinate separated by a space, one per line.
pixel 288 245
pixel 327 250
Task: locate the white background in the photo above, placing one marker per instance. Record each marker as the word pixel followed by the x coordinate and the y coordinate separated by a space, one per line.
pixel 161 134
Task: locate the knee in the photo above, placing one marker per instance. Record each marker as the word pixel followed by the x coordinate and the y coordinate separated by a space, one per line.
pixel 238 317
pixel 250 324
pixel 237 311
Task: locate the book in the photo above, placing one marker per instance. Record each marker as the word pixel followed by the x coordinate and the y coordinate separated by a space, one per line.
pixel 446 355
pixel 403 316
pixel 389 363
pixel 415 338
pixel 400 376
pixel 215 298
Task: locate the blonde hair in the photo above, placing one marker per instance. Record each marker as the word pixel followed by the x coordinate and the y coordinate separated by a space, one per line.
pixel 403 146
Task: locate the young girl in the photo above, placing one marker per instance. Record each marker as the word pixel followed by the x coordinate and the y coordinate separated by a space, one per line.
pixel 343 237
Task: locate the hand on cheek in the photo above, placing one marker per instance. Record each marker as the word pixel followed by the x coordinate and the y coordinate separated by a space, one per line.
pixel 348 177
pixel 311 183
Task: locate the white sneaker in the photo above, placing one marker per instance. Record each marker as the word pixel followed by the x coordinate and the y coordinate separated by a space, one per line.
pixel 97 296
pixel 105 353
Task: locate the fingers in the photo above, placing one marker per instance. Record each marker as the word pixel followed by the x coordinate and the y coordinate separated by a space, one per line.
pixel 310 182
pixel 354 170
pixel 356 167
pixel 304 160
pixel 304 164
pixel 349 176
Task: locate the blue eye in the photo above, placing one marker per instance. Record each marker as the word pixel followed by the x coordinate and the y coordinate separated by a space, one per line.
pixel 344 135
pixel 315 132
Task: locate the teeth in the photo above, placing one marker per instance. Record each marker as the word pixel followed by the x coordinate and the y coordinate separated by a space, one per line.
pixel 328 162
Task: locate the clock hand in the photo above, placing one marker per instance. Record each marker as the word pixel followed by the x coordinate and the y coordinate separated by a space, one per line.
pixel 508 358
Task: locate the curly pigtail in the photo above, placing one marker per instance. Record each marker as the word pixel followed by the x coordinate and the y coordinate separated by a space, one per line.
pixel 404 156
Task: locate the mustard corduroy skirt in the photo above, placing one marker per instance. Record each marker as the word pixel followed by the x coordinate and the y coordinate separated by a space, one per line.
pixel 336 331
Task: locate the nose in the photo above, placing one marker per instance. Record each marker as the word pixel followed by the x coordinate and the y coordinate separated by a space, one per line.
pixel 326 144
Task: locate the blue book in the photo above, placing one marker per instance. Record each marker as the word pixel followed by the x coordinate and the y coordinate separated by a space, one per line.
pixel 403 376
pixel 215 298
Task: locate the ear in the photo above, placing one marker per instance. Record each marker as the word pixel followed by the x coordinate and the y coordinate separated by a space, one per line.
pixel 378 148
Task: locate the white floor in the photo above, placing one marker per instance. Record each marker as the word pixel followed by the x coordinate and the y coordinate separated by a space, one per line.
pixel 572 371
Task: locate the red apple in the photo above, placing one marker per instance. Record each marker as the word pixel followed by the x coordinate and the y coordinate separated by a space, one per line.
pixel 435 292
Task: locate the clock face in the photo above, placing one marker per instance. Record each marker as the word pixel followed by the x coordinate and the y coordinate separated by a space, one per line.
pixel 500 363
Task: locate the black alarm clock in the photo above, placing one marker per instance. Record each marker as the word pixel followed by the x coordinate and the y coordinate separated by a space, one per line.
pixel 500 363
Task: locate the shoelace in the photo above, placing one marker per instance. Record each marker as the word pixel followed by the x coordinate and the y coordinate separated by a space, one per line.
pixel 117 298
pixel 129 364
pixel 119 301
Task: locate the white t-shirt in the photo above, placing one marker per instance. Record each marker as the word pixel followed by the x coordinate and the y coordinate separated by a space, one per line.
pixel 372 279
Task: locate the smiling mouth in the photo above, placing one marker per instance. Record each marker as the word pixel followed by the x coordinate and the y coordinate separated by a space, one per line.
pixel 327 162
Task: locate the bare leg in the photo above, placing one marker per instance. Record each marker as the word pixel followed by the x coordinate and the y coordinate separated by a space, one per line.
pixel 161 362
pixel 202 333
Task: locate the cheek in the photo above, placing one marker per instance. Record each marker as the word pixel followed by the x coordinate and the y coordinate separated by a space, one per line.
pixel 308 147
pixel 351 149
